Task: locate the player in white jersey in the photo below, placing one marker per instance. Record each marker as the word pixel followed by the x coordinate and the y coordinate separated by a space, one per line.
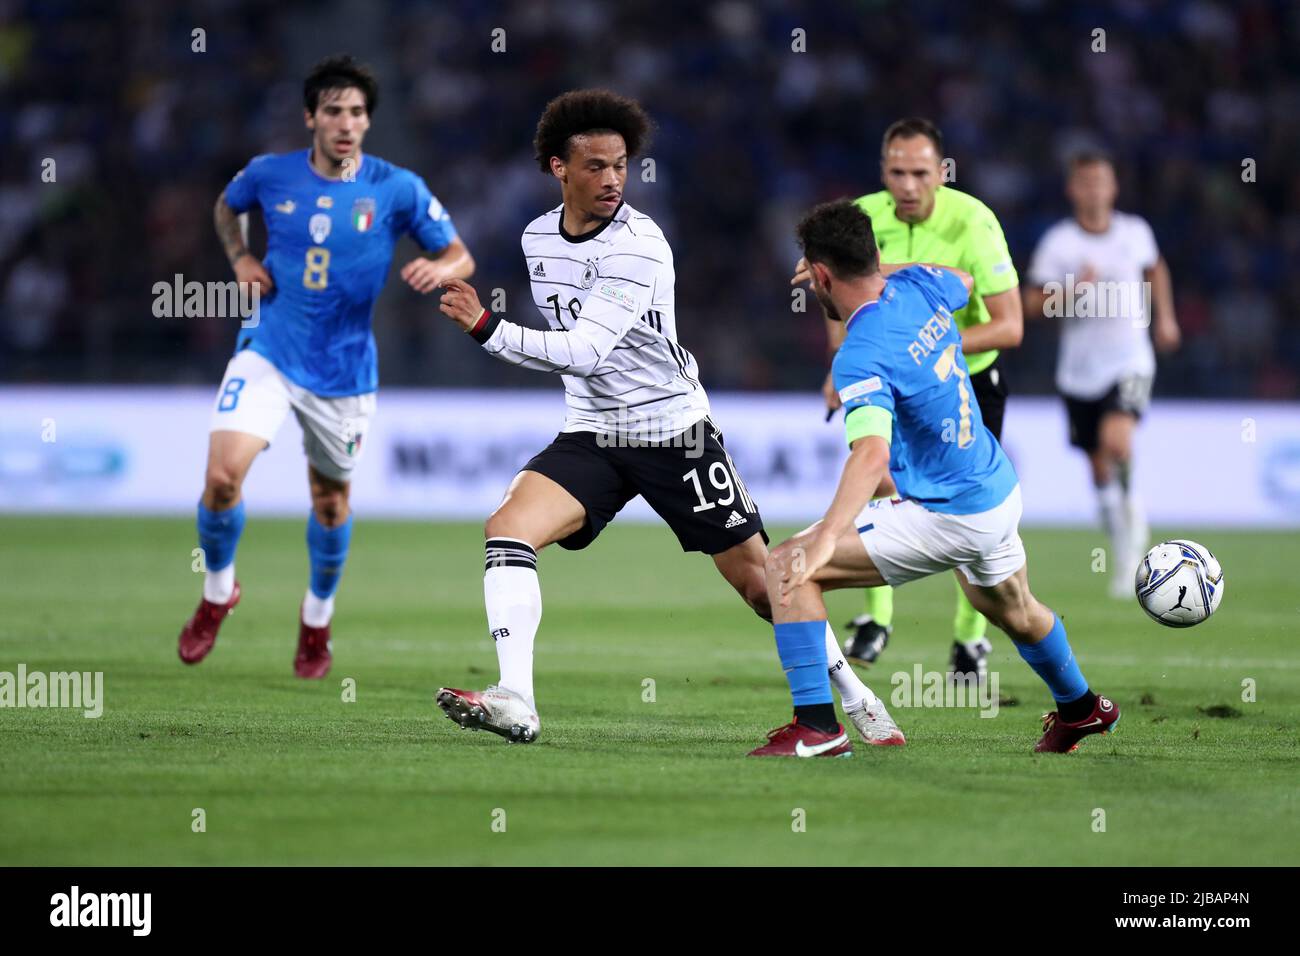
pixel 1100 272
pixel 638 419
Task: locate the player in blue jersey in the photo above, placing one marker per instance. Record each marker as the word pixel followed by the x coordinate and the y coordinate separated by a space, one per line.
pixel 909 411
pixel 332 218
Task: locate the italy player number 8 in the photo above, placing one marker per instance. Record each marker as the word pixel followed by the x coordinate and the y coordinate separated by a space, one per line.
pixel 230 395
pixel 317 273
pixel 945 367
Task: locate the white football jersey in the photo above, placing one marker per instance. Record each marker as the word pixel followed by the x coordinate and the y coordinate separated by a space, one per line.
pixel 1105 334
pixel 607 296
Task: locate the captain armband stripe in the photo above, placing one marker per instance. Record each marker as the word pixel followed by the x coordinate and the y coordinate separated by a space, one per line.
pixel 867 420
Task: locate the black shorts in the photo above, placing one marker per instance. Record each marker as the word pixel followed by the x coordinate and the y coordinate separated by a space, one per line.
pixel 689 481
pixel 1129 395
pixel 991 394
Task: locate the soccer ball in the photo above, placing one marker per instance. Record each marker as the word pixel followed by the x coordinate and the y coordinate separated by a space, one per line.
pixel 1179 583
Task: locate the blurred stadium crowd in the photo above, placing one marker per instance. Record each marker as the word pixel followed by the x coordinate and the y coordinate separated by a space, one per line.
pixel 145 132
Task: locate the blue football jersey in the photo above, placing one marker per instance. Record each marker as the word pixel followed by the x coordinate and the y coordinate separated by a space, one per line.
pixel 902 353
pixel 329 247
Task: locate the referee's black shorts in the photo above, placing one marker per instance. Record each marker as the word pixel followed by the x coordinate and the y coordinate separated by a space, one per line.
pixel 991 393
pixel 690 481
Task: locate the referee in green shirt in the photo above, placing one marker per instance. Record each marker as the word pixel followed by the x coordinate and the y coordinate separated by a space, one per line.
pixel 918 219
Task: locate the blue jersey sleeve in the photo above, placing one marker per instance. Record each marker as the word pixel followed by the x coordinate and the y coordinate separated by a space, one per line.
pixel 861 379
pixel 242 191
pixel 951 290
pixel 429 223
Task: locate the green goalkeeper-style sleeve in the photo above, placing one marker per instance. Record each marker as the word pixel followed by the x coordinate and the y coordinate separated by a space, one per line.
pixel 867 420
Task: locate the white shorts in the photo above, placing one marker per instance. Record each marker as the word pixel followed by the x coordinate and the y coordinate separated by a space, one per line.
pixel 255 398
pixel 907 541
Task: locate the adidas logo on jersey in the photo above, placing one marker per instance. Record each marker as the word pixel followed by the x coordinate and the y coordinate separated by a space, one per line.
pixel 735 520
pixel 540 270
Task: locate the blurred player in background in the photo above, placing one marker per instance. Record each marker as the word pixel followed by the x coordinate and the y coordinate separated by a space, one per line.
pixel 332 218
pixel 916 218
pixel 638 419
pixel 901 373
pixel 1106 272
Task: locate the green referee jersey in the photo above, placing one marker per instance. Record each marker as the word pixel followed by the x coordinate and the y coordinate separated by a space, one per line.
pixel 960 232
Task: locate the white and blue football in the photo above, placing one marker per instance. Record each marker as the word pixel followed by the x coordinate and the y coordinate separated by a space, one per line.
pixel 1179 583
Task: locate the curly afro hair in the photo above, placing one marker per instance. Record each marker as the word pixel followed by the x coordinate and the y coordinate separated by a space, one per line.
pixel 588 111
pixel 838 234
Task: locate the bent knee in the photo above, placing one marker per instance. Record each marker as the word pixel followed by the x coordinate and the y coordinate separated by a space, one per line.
pixel 222 484
pixel 1118 450
pixel 501 524
pixel 777 563
pixel 331 510
pixel 330 505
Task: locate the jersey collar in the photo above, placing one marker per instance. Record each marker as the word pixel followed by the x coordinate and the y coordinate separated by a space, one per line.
pixel 859 311
pixel 595 232
pixel 306 157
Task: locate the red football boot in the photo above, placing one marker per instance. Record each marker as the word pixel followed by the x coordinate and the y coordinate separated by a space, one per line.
pixel 313 658
pixel 200 631
pixel 1060 737
pixel 794 740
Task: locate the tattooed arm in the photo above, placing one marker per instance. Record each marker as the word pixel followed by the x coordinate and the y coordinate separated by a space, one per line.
pixel 232 230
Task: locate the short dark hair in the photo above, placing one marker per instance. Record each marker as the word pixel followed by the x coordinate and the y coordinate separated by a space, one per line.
pixel 838 234
pixel 1088 157
pixel 339 72
pixel 913 126
pixel 588 111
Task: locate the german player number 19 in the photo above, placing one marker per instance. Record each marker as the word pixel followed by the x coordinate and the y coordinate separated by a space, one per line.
pixel 723 483
pixel 317 273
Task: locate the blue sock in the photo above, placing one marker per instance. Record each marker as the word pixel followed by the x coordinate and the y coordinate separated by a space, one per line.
pixel 801 646
pixel 328 549
pixel 219 535
pixel 1053 661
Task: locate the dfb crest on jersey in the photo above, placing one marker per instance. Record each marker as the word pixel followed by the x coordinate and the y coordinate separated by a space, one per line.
pixel 363 214
pixel 319 227
pixel 588 275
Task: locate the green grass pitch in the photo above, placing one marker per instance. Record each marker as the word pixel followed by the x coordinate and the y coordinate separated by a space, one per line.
pixel 287 772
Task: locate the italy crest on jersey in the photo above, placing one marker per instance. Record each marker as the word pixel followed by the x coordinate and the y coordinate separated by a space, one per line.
pixel 319 227
pixel 363 214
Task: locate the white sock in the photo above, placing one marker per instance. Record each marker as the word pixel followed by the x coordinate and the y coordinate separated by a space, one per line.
pixel 1110 498
pixel 218 586
pixel 1136 519
pixel 317 611
pixel 852 691
pixel 513 597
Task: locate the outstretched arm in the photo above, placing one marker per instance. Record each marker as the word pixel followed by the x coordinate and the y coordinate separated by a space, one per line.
pixel 574 351
pixel 868 463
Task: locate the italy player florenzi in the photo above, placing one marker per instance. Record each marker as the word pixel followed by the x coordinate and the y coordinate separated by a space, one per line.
pixel 909 410
pixel 918 217
pixel 332 218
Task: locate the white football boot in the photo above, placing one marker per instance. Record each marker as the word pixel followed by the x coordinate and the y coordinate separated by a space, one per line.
pixel 876 726
pixel 496 709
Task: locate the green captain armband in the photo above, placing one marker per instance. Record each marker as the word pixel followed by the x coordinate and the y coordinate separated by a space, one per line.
pixel 866 420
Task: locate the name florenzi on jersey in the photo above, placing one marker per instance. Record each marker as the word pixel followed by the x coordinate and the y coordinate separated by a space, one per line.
pixel 930 335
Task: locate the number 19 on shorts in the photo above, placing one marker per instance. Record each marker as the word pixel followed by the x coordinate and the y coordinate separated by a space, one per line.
pixel 720 478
